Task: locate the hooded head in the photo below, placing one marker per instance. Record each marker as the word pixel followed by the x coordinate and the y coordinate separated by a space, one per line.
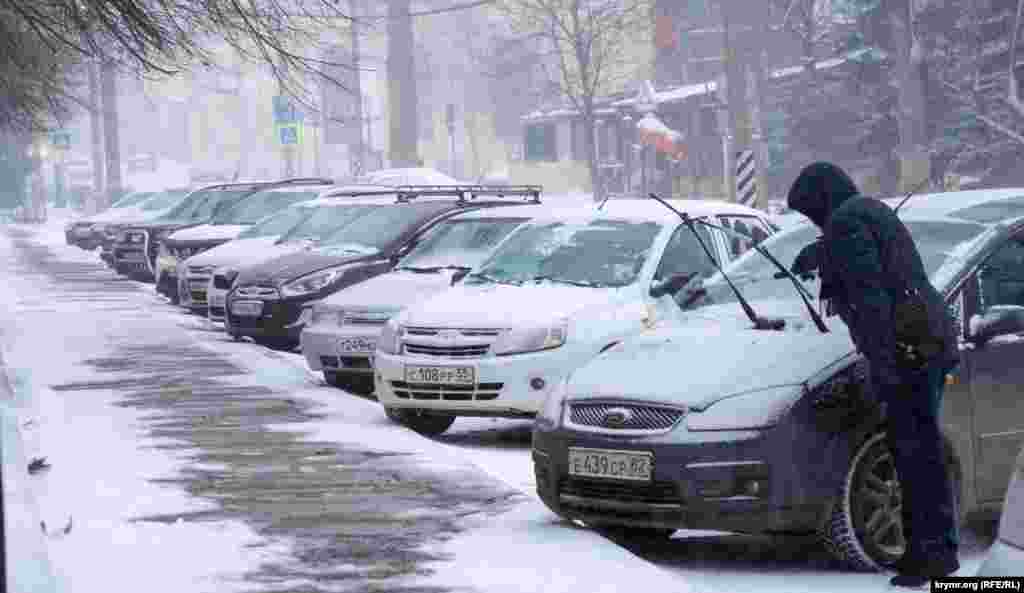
pixel 819 190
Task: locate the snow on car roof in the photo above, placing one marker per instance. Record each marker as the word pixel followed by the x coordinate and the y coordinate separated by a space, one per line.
pixel 650 210
pixel 945 203
pixel 343 200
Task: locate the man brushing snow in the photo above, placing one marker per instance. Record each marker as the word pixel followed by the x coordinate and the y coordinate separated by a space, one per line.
pixel 873 277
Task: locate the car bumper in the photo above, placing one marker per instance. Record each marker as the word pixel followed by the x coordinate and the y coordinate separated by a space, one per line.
pixel 215 299
pixel 505 385
pixel 1002 560
pixel 278 320
pixel 320 346
pixel 700 480
pixel 130 260
pixel 192 289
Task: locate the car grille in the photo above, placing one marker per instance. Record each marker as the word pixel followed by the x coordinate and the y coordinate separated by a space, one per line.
pixel 637 417
pixel 447 351
pixel 449 343
pixel 437 391
pixel 257 292
pixel 347 362
pixel 655 492
pixel 198 297
pixel 199 271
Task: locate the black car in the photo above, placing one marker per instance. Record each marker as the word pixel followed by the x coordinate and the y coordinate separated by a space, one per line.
pixel 268 301
pixel 85 232
pixel 151 209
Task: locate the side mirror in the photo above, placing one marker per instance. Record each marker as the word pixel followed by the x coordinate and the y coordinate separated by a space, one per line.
pixel 458 276
pixel 999 320
pixel 670 285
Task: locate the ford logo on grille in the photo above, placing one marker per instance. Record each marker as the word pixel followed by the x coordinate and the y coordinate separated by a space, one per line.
pixel 617 417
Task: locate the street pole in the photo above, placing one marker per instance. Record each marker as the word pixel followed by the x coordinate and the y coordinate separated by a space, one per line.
pixel 96 131
pixel 111 131
pixel 359 154
pixel 733 61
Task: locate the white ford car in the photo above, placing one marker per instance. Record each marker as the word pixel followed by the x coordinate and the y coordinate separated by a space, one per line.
pixel 342 336
pixel 553 295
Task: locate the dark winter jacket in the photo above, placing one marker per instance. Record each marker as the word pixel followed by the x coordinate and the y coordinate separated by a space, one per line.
pixel 868 261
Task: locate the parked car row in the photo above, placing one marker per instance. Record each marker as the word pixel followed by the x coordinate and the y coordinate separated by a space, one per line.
pixel 678 377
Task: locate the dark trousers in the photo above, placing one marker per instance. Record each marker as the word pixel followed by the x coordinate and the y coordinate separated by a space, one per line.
pixel 913 435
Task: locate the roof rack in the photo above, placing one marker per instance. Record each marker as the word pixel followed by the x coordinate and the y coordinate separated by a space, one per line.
pixel 465 193
pixel 306 180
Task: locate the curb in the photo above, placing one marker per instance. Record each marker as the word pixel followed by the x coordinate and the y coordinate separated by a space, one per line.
pixel 26 559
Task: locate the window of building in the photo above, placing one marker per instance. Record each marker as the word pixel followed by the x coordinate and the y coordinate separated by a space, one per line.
pixel 541 142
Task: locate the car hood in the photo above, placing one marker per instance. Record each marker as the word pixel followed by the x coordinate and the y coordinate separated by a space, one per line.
pixel 291 266
pixel 506 306
pixel 243 252
pixel 715 354
pixel 209 232
pixel 392 291
pixel 116 215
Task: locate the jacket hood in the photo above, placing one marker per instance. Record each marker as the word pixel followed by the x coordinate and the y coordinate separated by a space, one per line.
pixel 819 190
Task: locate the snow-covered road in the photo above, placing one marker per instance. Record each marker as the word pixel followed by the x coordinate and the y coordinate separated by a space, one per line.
pixel 186 462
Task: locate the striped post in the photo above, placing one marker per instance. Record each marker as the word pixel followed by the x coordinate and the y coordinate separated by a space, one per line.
pixel 746 180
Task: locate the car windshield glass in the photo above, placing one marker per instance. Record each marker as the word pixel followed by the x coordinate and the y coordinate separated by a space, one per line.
pixel 184 210
pixel 326 219
pixel 755 276
pixel 382 226
pixel 133 199
pixel 258 206
pixel 227 197
pixel 601 252
pixel 164 199
pixel 460 243
pixel 276 224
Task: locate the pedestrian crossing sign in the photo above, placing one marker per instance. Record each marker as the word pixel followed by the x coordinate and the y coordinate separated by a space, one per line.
pixel 289 135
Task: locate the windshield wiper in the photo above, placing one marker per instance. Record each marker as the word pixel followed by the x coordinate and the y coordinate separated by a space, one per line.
pixel 583 283
pixel 800 289
pixel 759 322
pixel 432 269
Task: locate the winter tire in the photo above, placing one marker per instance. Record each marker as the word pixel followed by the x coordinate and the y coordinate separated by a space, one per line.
pixel 864 528
pixel 426 424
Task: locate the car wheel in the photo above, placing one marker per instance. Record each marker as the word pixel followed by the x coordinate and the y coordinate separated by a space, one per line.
pixel 359 385
pixel 425 424
pixel 865 529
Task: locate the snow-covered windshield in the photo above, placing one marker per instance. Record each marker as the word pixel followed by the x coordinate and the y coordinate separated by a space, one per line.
pixel 460 243
pixel 185 209
pixel 276 224
pixel 261 204
pixel 164 199
pixel 381 226
pixel 597 253
pixel 324 220
pixel 132 199
pixel 755 276
pixel 219 200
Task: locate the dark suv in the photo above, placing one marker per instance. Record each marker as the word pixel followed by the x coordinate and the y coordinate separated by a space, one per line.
pixel 268 301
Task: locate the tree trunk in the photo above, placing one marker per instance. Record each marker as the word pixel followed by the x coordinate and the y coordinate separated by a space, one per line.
pixel 913 154
pixel 402 98
pixel 111 132
pixel 96 132
pixel 590 145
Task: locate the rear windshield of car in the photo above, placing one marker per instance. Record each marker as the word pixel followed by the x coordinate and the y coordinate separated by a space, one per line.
pixel 276 224
pixel 164 199
pixel 384 225
pixel 258 206
pixel 600 253
pixel 324 220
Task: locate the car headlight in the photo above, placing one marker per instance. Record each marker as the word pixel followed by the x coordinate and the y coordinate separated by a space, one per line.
pixel 327 314
pixel 751 410
pixel 518 341
pixel 550 415
pixel 313 283
pixel 390 338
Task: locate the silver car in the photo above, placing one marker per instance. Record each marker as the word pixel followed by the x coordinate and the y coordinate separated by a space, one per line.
pixel 1006 556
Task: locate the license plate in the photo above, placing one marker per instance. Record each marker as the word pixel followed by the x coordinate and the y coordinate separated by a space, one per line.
pixel 605 463
pixel 217 300
pixel 364 345
pixel 247 308
pixel 441 375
